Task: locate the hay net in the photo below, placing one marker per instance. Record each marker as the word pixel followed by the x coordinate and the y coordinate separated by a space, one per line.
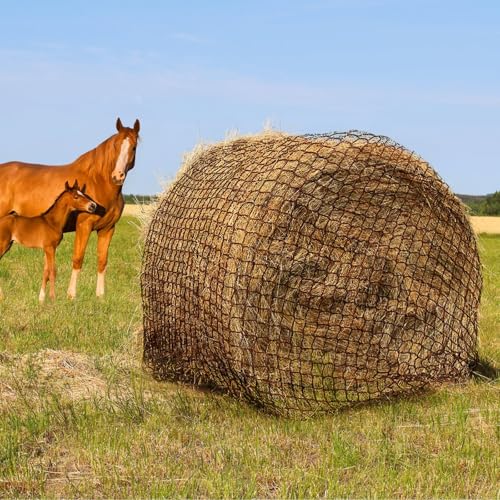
pixel 306 272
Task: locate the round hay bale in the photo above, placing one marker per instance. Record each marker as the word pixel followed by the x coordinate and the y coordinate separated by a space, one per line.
pixel 305 272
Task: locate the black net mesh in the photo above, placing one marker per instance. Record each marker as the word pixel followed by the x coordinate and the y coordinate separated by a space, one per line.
pixel 302 273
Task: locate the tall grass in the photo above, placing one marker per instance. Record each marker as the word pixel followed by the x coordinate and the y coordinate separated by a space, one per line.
pixel 148 439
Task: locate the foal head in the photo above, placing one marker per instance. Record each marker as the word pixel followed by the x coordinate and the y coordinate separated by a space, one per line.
pixel 77 200
pixel 125 145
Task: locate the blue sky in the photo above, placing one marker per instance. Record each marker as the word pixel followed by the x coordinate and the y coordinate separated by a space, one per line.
pixel 426 73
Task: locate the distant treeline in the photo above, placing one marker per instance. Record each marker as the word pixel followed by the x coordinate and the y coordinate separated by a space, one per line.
pixel 482 205
pixel 479 205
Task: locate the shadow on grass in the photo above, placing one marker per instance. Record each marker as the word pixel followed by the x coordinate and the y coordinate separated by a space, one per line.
pixel 484 370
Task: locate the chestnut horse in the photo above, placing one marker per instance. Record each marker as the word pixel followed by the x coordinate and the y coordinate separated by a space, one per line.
pixel 45 231
pixel 30 190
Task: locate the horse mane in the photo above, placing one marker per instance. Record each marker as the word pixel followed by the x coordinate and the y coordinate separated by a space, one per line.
pixel 97 159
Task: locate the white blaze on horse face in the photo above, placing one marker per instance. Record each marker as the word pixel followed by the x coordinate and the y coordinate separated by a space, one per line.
pixel 72 283
pixel 121 163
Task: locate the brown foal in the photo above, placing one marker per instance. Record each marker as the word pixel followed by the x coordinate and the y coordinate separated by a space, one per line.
pixel 46 230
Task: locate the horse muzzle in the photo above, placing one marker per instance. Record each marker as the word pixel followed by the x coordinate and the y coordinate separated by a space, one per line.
pixel 92 207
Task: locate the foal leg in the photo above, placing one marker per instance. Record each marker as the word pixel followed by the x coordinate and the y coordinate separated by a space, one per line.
pixel 50 254
pixel 45 278
pixel 103 240
pixel 81 239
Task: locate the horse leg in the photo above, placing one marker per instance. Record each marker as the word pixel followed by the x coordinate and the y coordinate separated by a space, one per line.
pixel 50 253
pixel 103 240
pixel 45 278
pixel 81 239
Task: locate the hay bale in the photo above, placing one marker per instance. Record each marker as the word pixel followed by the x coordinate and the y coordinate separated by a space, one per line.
pixel 305 272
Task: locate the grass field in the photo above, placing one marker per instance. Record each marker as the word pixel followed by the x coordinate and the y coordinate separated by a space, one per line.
pixel 78 417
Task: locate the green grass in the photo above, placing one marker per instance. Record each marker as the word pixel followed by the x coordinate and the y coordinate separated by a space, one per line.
pixel 143 438
pixel 84 325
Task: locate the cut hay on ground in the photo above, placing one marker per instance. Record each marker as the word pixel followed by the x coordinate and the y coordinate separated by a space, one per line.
pixel 306 272
pixel 68 374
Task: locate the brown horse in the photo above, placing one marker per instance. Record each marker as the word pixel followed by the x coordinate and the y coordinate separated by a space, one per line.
pixel 45 231
pixel 29 190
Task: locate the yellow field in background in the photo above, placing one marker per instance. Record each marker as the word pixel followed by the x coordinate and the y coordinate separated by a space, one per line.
pixel 136 210
pixel 489 225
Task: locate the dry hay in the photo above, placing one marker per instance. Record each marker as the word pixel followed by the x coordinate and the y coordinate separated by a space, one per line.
pixel 480 224
pixel 68 374
pixel 306 272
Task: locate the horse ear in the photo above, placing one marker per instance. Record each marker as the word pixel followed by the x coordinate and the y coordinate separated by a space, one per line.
pixel 84 187
pixel 66 186
pixel 75 185
pixel 137 126
pixel 119 125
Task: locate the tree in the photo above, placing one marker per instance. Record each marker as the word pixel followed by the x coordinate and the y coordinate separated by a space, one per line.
pixel 491 206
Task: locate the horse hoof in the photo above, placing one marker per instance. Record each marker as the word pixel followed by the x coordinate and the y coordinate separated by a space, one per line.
pixel 71 296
